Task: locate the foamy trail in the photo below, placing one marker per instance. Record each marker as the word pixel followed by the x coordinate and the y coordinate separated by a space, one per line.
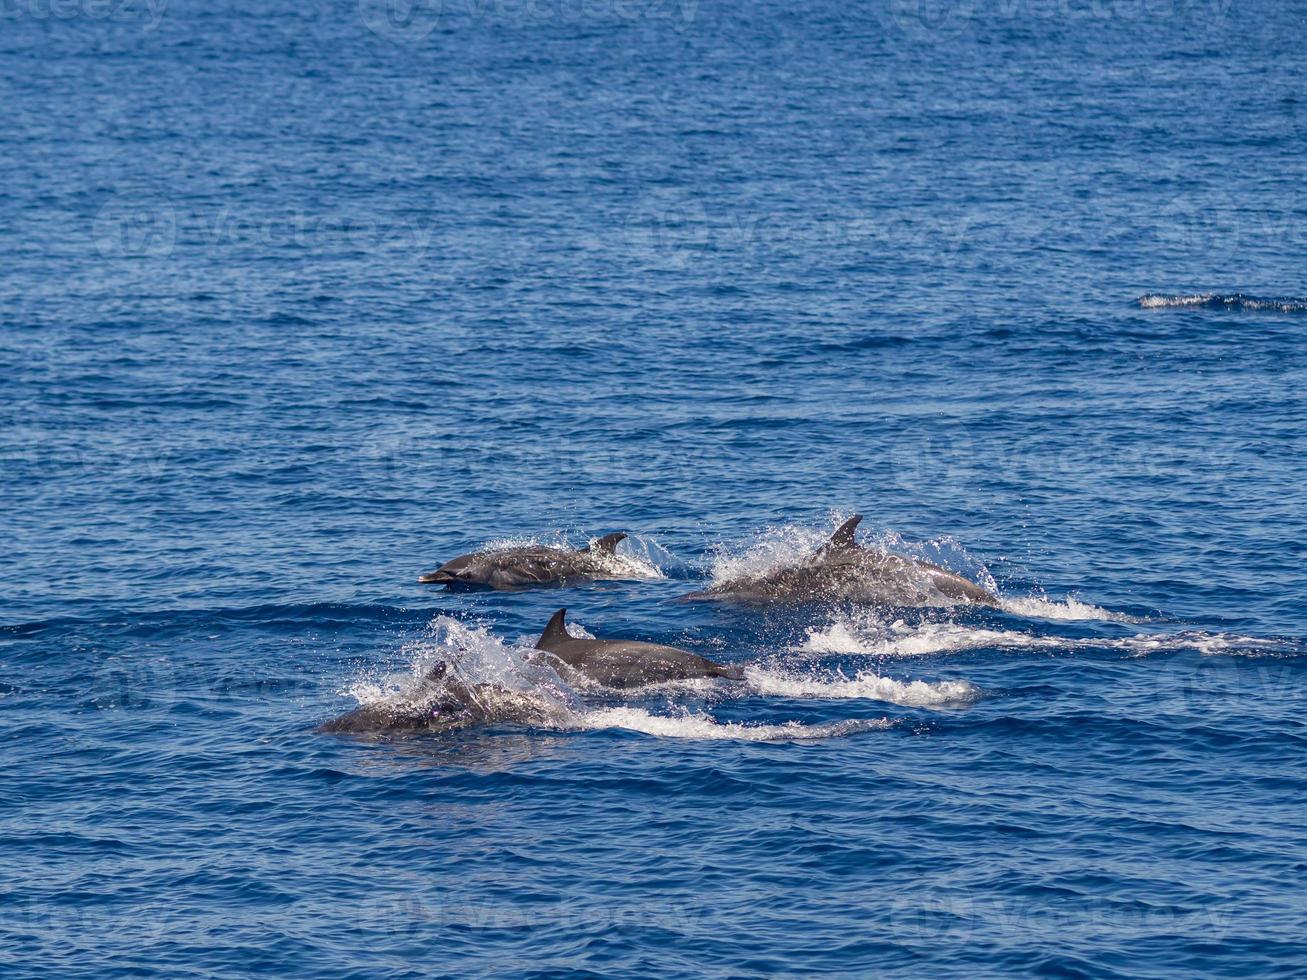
pixel 697 725
pixel 867 635
pixel 866 685
pixel 1069 609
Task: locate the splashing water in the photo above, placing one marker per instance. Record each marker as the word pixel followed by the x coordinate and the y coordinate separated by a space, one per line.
pixel 772 549
pixel 787 545
pixel 476 656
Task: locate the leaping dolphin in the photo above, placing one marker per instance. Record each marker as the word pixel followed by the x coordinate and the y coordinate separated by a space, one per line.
pixel 527 566
pixel 625 663
pixel 844 571
pixel 444 704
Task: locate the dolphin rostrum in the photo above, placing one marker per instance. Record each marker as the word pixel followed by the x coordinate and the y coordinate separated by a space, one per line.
pixel 442 703
pixel 528 565
pixel 844 571
pixel 625 663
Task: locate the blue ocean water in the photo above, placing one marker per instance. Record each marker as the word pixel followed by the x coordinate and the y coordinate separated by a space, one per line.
pixel 300 300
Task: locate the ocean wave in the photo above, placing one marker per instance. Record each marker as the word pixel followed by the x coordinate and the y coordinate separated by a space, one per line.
pixel 1224 301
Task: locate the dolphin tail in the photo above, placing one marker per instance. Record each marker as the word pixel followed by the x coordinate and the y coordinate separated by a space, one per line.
pixel 607 545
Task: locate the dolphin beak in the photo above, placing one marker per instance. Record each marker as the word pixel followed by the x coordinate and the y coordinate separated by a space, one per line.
pixel 436 577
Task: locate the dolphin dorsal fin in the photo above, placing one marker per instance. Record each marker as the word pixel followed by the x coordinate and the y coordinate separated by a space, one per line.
pixel 607 545
pixel 842 539
pixel 555 631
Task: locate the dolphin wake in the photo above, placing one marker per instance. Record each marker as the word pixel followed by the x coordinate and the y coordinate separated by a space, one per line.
pixel 868 634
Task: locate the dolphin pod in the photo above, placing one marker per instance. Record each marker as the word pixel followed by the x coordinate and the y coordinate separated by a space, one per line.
pixel 842 570
pixel 527 566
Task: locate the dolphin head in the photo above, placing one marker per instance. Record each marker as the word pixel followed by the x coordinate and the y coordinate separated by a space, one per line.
pixel 449 571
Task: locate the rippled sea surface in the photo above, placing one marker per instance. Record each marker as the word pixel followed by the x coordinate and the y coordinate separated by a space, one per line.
pixel 300 300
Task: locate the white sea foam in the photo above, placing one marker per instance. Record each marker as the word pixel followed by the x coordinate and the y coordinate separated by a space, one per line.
pixel 698 725
pixel 869 635
pixel 1069 609
pixel 864 685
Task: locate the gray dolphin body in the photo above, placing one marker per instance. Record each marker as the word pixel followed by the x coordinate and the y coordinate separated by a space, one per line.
pixel 444 704
pixel 525 567
pixel 844 571
pixel 625 663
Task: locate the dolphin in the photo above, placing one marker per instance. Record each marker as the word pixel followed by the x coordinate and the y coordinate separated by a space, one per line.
pixel 441 704
pixel 527 566
pixel 844 571
pixel 625 663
